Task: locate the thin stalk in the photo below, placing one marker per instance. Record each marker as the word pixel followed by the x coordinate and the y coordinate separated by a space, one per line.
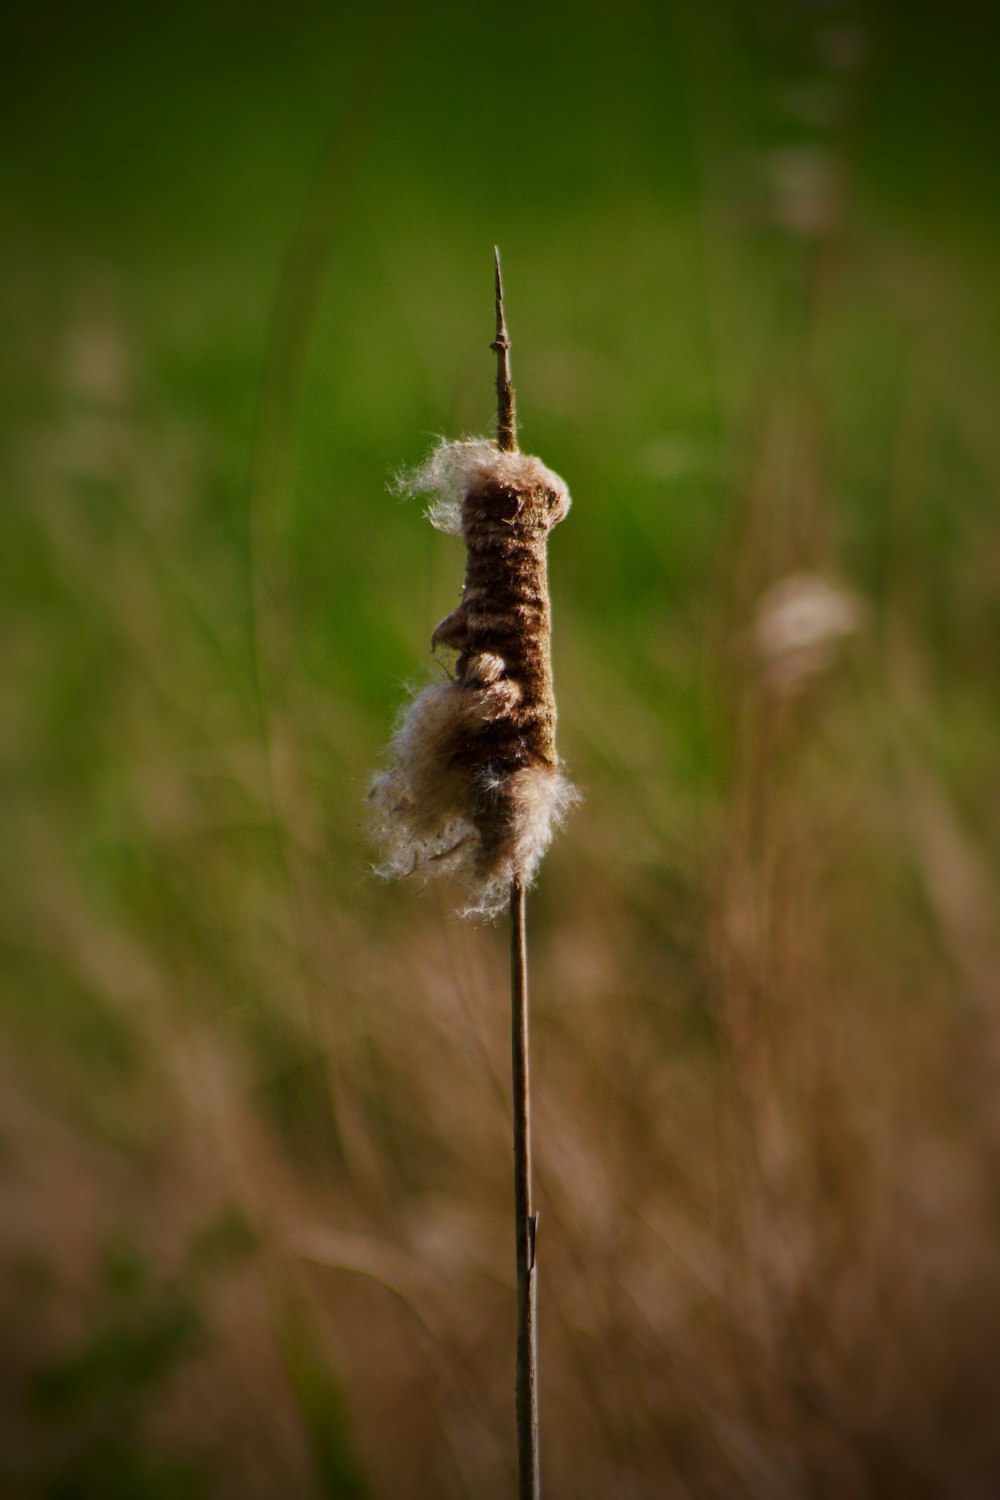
pixel 525 1220
pixel 506 405
pixel 526 1377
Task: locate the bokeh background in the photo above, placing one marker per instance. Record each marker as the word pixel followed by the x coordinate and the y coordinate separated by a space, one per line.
pixel 255 1201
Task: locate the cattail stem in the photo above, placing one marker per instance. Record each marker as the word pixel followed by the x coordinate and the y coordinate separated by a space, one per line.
pixel 525 1220
pixel 526 1379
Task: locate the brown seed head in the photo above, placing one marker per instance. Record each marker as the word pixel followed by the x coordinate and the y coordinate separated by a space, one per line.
pixel 474 787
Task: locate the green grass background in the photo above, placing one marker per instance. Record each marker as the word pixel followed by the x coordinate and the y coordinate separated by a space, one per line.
pixel 750 255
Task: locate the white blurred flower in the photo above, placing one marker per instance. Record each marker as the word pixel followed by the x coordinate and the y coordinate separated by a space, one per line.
pixel 799 624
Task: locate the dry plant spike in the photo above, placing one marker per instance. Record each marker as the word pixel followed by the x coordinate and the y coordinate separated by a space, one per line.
pixel 506 412
pixel 473 787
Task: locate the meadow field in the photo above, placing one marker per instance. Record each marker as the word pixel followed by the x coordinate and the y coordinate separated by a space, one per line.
pixel 255 1200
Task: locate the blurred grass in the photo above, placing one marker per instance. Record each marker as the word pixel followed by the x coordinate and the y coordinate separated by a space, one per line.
pixel 751 263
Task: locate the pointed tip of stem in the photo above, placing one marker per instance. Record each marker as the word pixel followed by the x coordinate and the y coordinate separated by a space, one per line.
pixel 506 413
pixel 501 342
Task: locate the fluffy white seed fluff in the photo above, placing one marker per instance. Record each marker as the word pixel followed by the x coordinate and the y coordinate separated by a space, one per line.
pixel 454 470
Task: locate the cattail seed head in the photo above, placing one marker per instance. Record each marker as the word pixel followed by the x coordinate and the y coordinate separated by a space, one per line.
pixel 473 787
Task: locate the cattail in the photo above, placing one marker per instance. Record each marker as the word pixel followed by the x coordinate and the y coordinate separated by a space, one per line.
pixel 473 788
